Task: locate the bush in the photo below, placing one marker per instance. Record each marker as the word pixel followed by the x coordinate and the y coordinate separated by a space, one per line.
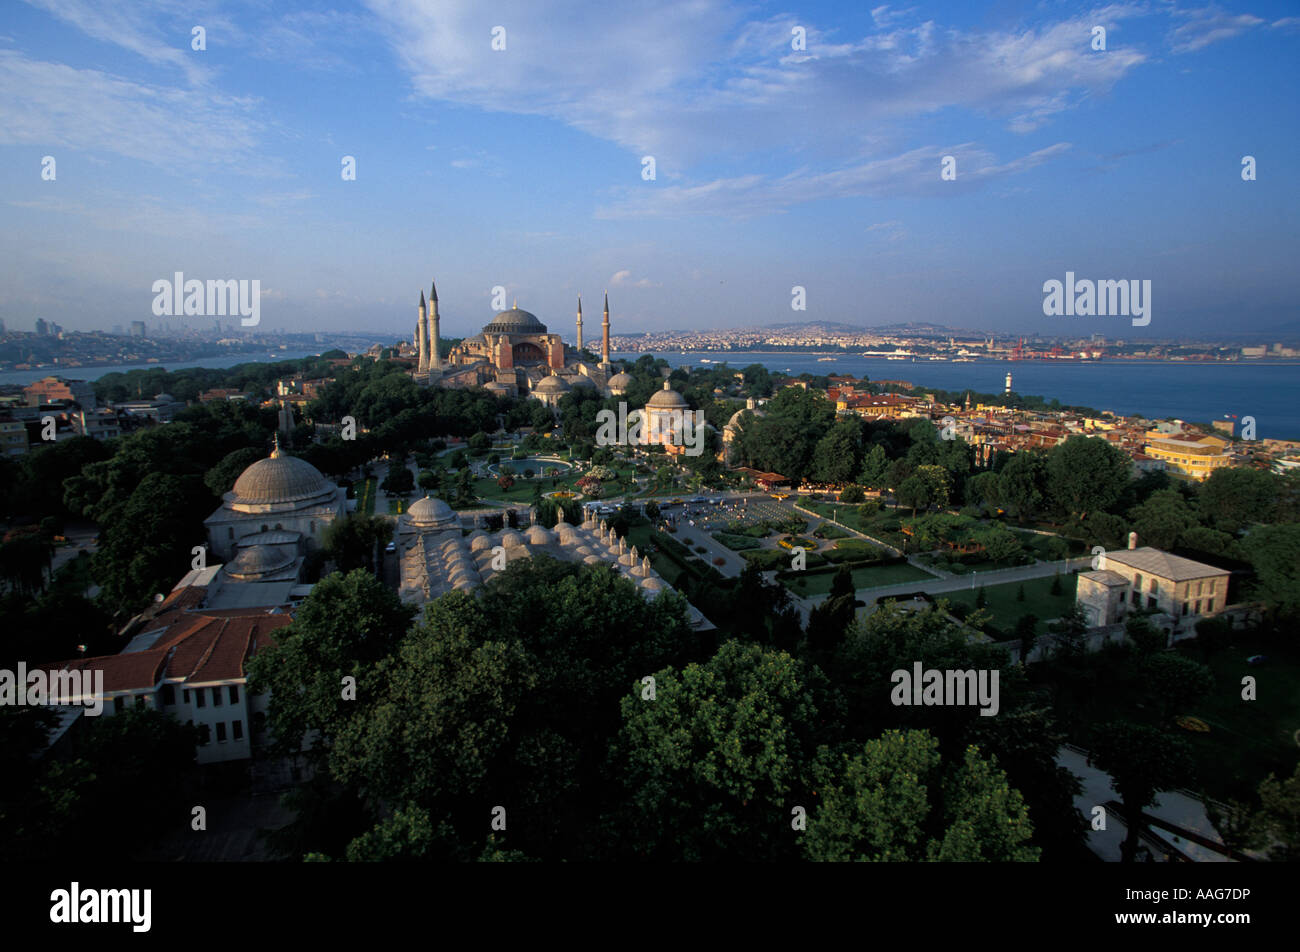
pixel 719 561
pixel 852 494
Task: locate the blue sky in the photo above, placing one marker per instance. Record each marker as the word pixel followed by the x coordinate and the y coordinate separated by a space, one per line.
pixel 775 167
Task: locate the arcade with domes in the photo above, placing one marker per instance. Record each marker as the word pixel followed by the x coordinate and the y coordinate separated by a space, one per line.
pixel 280 502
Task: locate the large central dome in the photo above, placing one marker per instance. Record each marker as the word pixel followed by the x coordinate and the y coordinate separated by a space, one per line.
pixel 279 480
pixel 515 321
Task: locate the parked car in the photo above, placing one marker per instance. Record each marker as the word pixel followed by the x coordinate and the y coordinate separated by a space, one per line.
pixel 391 547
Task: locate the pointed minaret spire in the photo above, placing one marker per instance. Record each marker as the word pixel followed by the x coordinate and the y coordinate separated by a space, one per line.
pixel 579 326
pixel 604 340
pixel 421 346
pixel 432 360
pixel 275 449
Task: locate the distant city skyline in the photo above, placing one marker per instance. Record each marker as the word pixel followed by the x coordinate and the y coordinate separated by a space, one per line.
pixel 775 166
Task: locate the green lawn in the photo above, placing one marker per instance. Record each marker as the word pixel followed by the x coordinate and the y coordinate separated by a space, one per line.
pixel 1039 600
pixel 869 576
pixel 1247 739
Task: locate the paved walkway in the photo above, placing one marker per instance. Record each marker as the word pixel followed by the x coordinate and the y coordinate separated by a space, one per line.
pixel 1173 807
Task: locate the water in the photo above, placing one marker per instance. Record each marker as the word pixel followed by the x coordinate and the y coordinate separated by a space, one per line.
pixel 94 373
pixel 1192 391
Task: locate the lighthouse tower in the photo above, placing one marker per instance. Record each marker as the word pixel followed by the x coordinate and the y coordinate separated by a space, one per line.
pixel 1008 390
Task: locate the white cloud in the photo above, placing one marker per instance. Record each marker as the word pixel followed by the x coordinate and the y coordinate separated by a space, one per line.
pixel 52 105
pixel 1209 25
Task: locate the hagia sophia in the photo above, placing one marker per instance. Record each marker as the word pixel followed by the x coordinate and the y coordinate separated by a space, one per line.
pixel 514 355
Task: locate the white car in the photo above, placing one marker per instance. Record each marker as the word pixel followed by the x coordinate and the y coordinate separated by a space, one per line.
pixel 391 547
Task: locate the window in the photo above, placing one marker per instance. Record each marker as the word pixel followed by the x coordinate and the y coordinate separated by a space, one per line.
pixel 1137 582
pixel 205 734
pixel 1198 587
pixel 169 695
pixel 1151 603
pixel 198 698
pixel 237 729
pixel 234 694
pixel 216 697
pixel 1185 608
pixel 119 704
pixel 221 732
pixel 1153 587
pixel 1198 606
pixel 1213 583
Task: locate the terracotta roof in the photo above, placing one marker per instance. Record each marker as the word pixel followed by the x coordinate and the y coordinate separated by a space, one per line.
pixel 199 647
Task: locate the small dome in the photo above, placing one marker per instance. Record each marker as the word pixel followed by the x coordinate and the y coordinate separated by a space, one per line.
pixel 496 386
pixel 537 535
pixel 511 538
pixel 652 584
pixel 164 398
pixel 258 560
pixel 431 512
pixel 593 559
pixel 620 381
pixel 479 540
pixel 552 384
pixel 667 399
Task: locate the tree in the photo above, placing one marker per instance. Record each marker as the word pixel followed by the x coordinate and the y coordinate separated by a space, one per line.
pixel 1163 519
pixel 837 455
pixel 352 542
pixel 981 599
pixel 851 494
pixel 221 478
pixel 1141 761
pixel 1020 592
pixel 464 491
pixel 344 627
pixel 913 493
pixel 1026 634
pixel 827 622
pixel 399 480
pixel 1171 683
pixel 892 802
pixel 1234 498
pixel 1147 638
pixel 723 750
pixel 1279 816
pixel 1086 474
pixel 1272 551
pixel 505 481
pixel 938 484
pixel 480 442
pixel 1021 483
pixel 1070 632
pixel 874 465
pixel 652 510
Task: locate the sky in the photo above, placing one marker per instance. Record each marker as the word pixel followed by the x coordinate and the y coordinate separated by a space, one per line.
pixel 793 145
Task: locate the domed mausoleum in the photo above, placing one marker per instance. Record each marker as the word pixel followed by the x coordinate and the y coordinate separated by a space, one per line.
pixel 281 499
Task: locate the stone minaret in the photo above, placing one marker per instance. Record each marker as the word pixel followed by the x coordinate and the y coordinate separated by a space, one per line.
pixel 435 362
pixel 422 355
pixel 604 335
pixel 579 326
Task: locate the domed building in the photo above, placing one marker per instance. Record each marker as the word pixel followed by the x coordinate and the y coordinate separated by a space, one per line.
pixel 550 389
pixel 731 432
pixel 514 354
pixel 619 383
pixel 662 418
pixel 284 500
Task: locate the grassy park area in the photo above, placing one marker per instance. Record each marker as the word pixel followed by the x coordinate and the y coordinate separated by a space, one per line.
pixel 868 576
pixel 1002 604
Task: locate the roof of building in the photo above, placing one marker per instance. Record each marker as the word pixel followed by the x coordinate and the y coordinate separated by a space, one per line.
pixel 279 479
pixel 667 398
pixel 431 511
pixel 1105 577
pixel 1175 568
pixel 515 321
pixel 552 384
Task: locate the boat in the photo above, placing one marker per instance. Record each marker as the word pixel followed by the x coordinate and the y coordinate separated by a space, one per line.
pixel 824 360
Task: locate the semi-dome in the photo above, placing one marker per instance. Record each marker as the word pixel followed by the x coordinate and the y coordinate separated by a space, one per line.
pixel 515 321
pixel 279 480
pixel 667 399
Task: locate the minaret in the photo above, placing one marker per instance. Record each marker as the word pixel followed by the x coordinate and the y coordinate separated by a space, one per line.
pixel 422 355
pixel 435 362
pixel 579 326
pixel 604 340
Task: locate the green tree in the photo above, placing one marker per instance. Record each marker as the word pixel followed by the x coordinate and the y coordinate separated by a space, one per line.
pixel 892 802
pixel 722 753
pixel 221 478
pixel 1086 474
pixel 1171 684
pixel 352 542
pixel 1163 519
pixel 874 464
pixel 837 455
pixel 1235 497
pixel 1272 552
pixel 342 630
pixel 1026 633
